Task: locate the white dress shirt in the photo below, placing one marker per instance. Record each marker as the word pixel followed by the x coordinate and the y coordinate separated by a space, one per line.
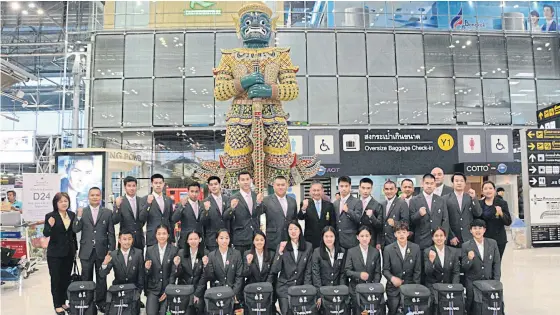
pixel 331 256
pixel 132 202
pixel 403 250
pixel 389 204
pixel 125 255
pixel 438 190
pixel 343 201
pixel 295 247
pixel 218 200
pixel 194 206
pixel 224 257
pixel 364 253
pixel 441 254
pixel 480 249
pixel 429 199
pixel 159 200
pixel 284 204
pixel 365 202
pixel 193 258
pixel 94 213
pixel 161 253
pixel 260 259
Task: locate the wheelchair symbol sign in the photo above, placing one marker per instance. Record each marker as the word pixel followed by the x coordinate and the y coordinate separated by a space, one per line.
pixel 324 144
pixel 499 143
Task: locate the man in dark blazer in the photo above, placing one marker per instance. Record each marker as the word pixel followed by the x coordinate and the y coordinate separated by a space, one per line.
pixel 280 209
pixel 96 241
pixel 127 213
pixel 189 212
pixel 462 208
pixel 480 260
pixel 372 215
pixel 212 217
pixel 348 211
pixel 317 214
pixel 401 265
pixel 242 214
pixel 127 262
pixel 441 189
pixel 395 210
pixel 156 209
pixel 427 211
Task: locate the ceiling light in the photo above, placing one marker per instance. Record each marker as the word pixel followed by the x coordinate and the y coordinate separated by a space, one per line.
pixel 24 12
pixel 468 42
pixel 40 11
pixel 16 6
pixel 31 5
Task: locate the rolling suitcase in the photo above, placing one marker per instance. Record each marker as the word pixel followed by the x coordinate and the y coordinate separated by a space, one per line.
pixel 369 297
pixel 219 301
pixel 81 296
pixel 448 299
pixel 178 298
pixel 415 299
pixel 334 299
pixel 488 298
pixel 122 299
pixel 302 299
pixel 258 298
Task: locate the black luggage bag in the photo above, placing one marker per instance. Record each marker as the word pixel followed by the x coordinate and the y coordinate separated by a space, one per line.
pixel 258 298
pixel 334 299
pixel 369 298
pixel 302 299
pixel 448 299
pixel 81 295
pixel 178 298
pixel 219 301
pixel 488 297
pixel 123 299
pixel 415 299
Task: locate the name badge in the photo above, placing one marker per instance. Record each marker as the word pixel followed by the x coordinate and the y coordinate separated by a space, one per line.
pixel 103 221
pixel 411 261
pixel 439 211
pixel 340 256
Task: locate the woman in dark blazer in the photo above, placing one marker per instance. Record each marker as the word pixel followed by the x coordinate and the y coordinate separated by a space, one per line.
pixel 293 263
pixel 258 261
pixel 228 272
pixel 159 269
pixel 189 270
pixel 495 212
pixel 61 249
pixel 327 268
pixel 439 269
pixel 358 270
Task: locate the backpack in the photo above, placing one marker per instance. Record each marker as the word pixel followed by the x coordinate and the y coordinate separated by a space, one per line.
pixel 448 299
pixel 122 299
pixel 302 299
pixel 369 297
pixel 258 298
pixel 334 299
pixel 415 299
pixel 219 300
pixel 81 296
pixel 178 298
pixel 488 297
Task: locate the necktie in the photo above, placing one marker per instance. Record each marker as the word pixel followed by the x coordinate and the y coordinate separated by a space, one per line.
pixel 133 205
pixel 94 215
pixel 249 201
pixel 318 207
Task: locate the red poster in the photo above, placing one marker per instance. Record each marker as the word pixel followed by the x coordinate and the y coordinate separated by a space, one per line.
pixel 20 246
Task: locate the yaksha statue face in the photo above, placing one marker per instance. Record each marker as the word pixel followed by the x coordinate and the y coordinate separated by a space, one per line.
pixel 254 24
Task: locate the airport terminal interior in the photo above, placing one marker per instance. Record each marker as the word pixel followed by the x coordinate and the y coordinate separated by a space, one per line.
pixel 311 93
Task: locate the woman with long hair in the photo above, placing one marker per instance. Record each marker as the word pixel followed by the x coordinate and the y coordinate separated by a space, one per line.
pixel 495 212
pixel 327 268
pixel 292 263
pixel 189 270
pixel 258 261
pixel 61 249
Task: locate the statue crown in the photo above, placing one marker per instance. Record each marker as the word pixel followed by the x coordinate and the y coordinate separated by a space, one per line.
pixel 255 7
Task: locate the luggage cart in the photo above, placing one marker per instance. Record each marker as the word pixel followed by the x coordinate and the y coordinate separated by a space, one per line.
pixel 14 235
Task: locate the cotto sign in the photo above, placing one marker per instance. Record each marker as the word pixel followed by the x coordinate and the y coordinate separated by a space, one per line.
pixel 477 168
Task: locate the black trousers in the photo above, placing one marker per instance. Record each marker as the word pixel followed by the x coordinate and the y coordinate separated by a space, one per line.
pixel 501 249
pixel 88 266
pixel 60 269
pixel 393 303
pixel 153 305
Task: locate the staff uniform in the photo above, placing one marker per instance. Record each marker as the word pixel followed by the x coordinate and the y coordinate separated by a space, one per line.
pixel 158 276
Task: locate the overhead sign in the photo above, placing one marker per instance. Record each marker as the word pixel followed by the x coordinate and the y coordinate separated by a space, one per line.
pixel 324 144
pixel 17 147
pixel 545 205
pixel 296 144
pixel 471 144
pixel 38 193
pixel 492 168
pixel 549 117
pixel 543 155
pixel 202 8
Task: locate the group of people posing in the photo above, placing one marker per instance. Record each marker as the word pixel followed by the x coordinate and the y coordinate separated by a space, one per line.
pixel 423 239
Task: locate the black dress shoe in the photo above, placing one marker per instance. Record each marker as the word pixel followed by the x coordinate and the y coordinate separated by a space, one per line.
pixel 60 313
pixel 101 308
pixel 142 305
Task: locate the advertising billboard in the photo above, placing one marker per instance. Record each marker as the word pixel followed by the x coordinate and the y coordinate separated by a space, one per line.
pixel 17 147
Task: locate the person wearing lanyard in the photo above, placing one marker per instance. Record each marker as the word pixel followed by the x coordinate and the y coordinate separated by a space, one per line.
pixel 495 212
pixel 327 268
pixel 190 268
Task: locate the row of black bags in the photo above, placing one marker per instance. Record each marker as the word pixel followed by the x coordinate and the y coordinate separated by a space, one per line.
pixel 448 299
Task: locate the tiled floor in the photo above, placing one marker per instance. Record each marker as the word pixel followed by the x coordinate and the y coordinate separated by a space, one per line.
pixel 531 282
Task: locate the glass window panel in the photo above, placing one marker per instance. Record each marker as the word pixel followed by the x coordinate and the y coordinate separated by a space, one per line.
pixel 493 56
pixel 140 143
pixel 199 101
pixel 383 102
pixel 296 42
pixel 220 111
pixel 324 101
pixel 465 56
pixel 468 98
pixel 137 102
pixel 379 14
pixel 168 102
pixel 441 101
pixel 410 55
pixel 225 41
pixel 169 56
pixel 439 62
pixel 321 54
pixel 107 103
pixel 139 55
pixel 548 92
pixel 350 14
pixel 497 105
pixel 523 102
pixel 547 57
pixel 412 101
pixel 381 54
pixel 109 54
pixel 520 59
pixel 199 54
pixel 352 95
pixel 297 109
pixel 351 53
